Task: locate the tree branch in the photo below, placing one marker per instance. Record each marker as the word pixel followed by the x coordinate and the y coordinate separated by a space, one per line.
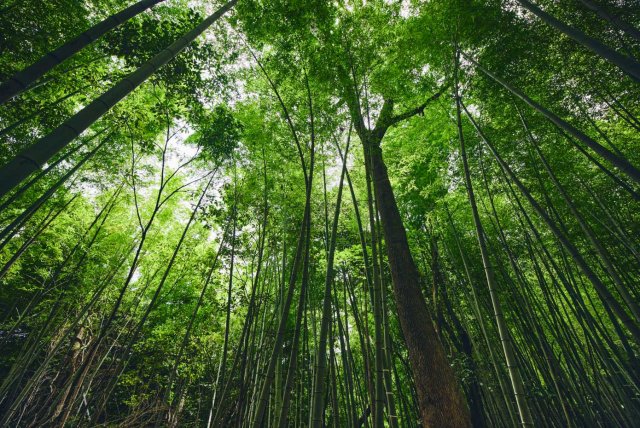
pixel 418 110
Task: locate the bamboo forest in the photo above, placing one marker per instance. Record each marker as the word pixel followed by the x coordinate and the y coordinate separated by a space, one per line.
pixel 320 213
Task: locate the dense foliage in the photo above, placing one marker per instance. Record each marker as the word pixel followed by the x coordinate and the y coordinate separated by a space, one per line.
pixel 382 213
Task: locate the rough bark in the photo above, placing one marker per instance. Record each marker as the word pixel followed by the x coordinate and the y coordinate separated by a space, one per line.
pixel 439 398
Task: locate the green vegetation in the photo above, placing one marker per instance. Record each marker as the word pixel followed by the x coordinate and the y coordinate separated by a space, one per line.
pixel 273 213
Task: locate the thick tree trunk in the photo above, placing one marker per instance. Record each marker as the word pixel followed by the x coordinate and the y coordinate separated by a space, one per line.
pixel 439 397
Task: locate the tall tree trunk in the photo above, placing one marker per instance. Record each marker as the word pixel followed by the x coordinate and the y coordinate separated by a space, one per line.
pixel 439 397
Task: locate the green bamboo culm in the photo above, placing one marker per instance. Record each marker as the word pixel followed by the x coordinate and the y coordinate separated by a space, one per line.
pixel 33 157
pixel 23 79
pixel 515 376
pixel 321 356
pixel 625 26
pixel 600 288
pixel 626 64
pixel 621 163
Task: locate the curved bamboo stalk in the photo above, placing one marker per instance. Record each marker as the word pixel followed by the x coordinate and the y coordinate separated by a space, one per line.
pixel 23 79
pixel 33 157
pixel 626 64
pixel 623 164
